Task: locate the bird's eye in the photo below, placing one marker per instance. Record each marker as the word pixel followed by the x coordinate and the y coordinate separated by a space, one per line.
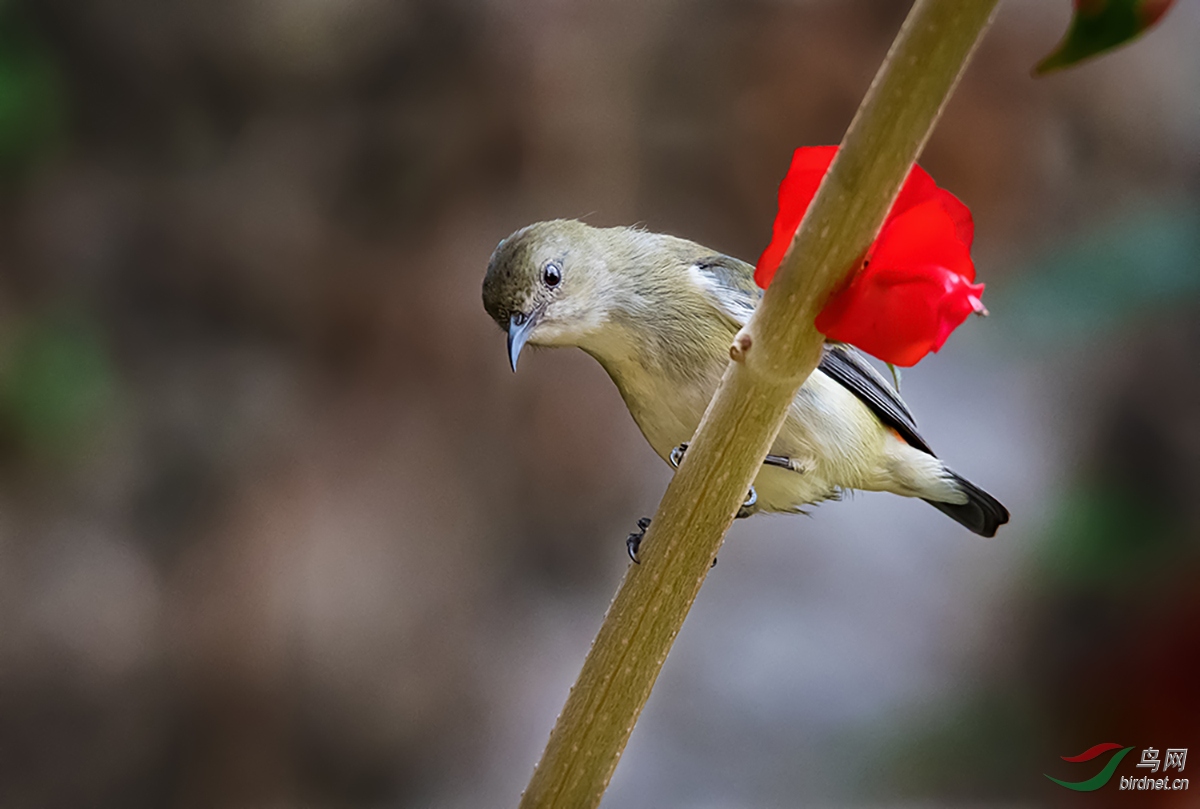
pixel 551 274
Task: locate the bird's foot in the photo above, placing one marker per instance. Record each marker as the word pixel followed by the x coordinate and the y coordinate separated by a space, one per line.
pixel 782 461
pixel 748 505
pixel 635 539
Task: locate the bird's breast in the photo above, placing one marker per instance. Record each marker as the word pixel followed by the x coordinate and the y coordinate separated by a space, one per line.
pixel 667 410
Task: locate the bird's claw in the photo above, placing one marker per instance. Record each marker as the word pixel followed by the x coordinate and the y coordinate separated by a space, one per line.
pixel 747 507
pixel 782 461
pixel 635 539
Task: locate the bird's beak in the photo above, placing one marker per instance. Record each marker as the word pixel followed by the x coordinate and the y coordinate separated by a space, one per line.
pixel 520 325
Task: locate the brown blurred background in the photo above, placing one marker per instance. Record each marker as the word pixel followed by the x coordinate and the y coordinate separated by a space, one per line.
pixel 278 527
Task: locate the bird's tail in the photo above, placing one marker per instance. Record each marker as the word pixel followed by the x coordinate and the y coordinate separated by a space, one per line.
pixel 982 513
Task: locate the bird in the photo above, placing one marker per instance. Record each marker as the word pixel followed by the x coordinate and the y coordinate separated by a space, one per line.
pixel 659 312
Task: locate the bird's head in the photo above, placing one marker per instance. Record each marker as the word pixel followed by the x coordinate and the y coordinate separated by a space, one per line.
pixel 546 284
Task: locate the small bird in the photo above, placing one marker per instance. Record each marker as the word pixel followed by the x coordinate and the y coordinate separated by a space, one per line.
pixel 659 313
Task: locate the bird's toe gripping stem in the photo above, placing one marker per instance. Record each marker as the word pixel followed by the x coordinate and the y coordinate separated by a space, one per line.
pixel 782 461
pixel 676 458
pixel 635 539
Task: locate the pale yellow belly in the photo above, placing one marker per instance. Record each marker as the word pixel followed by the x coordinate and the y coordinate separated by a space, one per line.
pixel 833 438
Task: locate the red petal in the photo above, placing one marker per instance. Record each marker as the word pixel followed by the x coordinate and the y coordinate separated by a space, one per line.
pixel 808 167
pixel 900 314
pixel 797 190
pixel 920 188
pixel 924 234
pixel 964 223
pixel 812 159
pixel 917 287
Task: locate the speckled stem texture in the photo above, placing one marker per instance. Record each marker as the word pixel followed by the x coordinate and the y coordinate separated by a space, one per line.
pixel 784 347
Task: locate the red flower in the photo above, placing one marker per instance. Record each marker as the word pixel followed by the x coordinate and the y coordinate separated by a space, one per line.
pixel 915 285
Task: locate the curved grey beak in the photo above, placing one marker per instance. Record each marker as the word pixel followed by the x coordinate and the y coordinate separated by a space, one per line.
pixel 519 327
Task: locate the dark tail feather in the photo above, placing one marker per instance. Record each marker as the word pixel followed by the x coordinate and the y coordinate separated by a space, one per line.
pixel 982 513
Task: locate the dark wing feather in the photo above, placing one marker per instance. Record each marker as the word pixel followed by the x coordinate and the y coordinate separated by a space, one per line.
pixel 848 368
pixel 730 284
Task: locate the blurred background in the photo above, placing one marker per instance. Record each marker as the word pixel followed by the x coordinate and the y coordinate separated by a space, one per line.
pixel 279 528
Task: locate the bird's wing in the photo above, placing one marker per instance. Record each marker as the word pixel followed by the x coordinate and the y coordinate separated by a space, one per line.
pixel 730 285
pixel 852 371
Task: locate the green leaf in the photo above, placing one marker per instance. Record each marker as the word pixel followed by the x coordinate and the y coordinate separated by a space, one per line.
pixel 1101 25
pixel 895 376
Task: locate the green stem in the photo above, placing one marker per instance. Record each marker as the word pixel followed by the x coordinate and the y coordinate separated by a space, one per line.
pixel 779 348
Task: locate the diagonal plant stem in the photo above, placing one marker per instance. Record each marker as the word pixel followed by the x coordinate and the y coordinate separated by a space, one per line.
pixel 773 354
